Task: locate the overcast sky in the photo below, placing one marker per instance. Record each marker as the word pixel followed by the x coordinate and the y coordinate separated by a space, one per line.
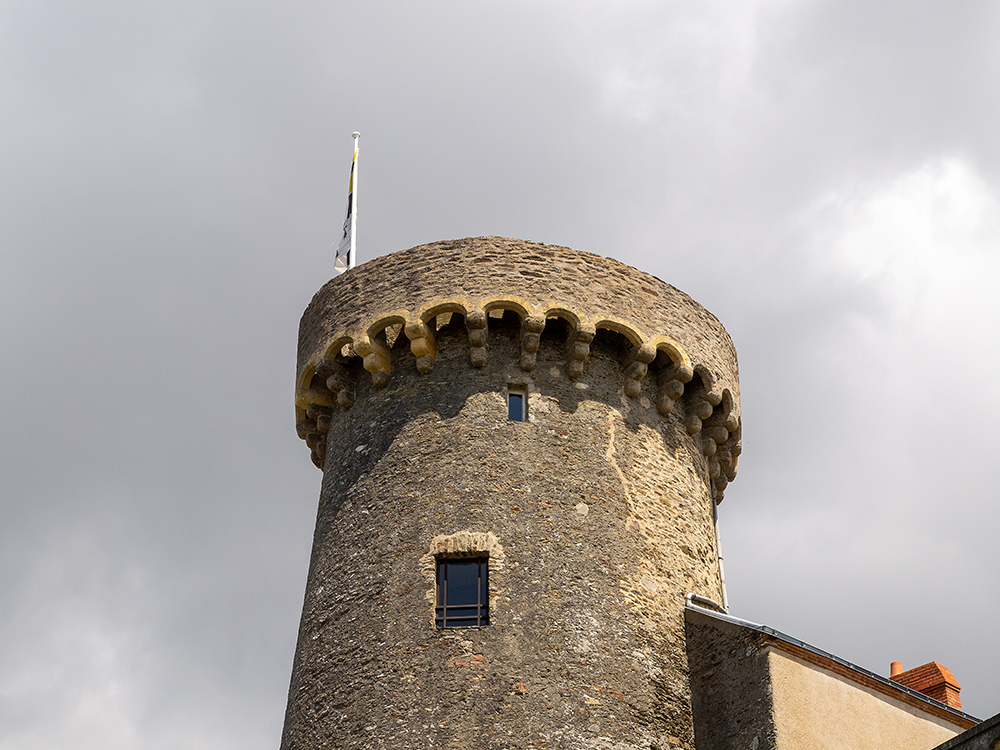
pixel 823 175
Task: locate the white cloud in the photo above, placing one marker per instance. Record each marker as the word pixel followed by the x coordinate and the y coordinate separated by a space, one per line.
pixel 679 60
pixel 925 245
pixel 883 500
pixel 929 240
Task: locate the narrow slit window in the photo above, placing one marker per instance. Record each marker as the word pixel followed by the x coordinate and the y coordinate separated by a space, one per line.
pixel 517 406
pixel 463 592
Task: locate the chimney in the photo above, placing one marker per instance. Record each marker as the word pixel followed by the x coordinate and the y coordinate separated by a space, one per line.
pixel 932 680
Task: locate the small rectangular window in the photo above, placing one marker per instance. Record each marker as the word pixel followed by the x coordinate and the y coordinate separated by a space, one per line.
pixel 517 406
pixel 463 592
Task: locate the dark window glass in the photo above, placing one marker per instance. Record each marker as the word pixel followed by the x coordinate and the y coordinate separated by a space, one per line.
pixel 463 592
pixel 515 407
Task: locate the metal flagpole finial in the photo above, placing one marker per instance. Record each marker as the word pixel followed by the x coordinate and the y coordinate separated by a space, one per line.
pixel 355 135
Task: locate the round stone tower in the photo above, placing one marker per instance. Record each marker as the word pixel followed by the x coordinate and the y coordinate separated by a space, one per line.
pixel 522 448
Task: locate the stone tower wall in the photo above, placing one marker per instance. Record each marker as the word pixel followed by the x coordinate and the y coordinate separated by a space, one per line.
pixel 597 513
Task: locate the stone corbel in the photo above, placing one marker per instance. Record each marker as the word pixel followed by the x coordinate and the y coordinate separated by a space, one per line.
pixel 712 390
pixel 578 348
pixel 636 366
pixel 670 386
pixel 701 403
pixel 732 449
pixel 318 457
pixel 729 418
pixel 422 344
pixel 720 488
pixel 303 427
pixel 319 416
pixel 698 410
pixel 339 380
pixel 377 359
pixel 475 323
pixel 726 457
pixel 714 428
pixel 322 416
pixel 714 470
pixel 531 334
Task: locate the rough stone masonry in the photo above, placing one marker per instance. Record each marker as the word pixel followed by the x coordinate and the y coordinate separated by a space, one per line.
pixel 596 514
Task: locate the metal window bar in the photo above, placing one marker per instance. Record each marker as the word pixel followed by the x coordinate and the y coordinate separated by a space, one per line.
pixel 446 615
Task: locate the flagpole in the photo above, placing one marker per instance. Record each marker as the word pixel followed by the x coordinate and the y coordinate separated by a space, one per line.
pixel 352 257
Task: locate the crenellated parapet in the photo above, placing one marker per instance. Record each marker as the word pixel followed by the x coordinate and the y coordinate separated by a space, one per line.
pixel 348 330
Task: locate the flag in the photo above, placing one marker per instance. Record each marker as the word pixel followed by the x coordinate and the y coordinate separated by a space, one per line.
pixel 346 250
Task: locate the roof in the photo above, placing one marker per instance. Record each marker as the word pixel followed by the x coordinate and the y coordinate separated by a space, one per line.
pixel 984 735
pixel 844 668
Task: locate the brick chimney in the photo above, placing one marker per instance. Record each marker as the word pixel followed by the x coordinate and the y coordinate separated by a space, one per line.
pixel 932 680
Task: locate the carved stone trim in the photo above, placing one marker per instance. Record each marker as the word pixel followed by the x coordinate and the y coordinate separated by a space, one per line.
pixel 463 543
pixel 467 543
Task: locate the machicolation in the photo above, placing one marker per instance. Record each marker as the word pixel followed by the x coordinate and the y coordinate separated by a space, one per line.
pixel 355 322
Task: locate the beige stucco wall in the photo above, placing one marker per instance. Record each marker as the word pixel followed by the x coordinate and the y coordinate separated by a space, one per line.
pixel 814 709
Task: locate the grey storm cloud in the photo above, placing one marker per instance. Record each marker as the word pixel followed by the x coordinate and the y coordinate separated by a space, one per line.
pixel 823 176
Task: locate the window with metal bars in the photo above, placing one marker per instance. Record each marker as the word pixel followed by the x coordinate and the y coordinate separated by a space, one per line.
pixel 463 592
pixel 517 405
